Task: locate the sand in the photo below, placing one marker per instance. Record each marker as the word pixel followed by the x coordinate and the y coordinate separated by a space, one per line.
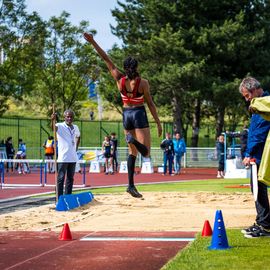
pixel 161 211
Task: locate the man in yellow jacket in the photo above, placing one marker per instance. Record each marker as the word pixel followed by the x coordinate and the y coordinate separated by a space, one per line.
pixel 259 127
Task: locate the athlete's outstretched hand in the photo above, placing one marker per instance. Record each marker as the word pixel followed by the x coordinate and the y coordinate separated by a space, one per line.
pixel 112 68
pixel 88 37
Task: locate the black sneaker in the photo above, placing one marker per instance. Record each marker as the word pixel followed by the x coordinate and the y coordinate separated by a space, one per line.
pixel 129 138
pixel 251 229
pixel 261 232
pixel 134 192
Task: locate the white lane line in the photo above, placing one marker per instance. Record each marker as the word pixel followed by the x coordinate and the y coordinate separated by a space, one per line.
pixel 157 239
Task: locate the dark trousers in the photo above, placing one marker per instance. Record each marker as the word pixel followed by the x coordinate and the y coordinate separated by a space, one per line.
pixel 262 205
pixel 167 158
pixel 63 170
pixel 10 164
pixel 115 162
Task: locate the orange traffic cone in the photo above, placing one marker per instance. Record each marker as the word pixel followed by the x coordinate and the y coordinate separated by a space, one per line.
pixel 65 234
pixel 207 230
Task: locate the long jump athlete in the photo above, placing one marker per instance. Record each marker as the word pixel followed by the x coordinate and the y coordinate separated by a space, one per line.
pixel 134 92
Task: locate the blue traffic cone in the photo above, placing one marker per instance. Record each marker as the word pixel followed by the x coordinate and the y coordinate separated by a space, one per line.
pixel 219 237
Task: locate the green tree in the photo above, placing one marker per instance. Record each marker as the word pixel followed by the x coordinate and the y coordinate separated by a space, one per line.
pixel 154 30
pixel 68 65
pixel 197 52
pixel 21 47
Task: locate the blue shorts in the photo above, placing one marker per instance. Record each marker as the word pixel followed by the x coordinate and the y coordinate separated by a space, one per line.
pixel 135 118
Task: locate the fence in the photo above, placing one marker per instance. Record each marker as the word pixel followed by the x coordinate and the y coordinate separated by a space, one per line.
pixel 35 131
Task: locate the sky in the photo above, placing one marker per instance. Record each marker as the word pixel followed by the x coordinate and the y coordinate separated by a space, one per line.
pixel 97 12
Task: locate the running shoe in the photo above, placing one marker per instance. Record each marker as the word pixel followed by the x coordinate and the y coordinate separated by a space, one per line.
pixel 129 138
pixel 134 192
pixel 251 229
pixel 261 232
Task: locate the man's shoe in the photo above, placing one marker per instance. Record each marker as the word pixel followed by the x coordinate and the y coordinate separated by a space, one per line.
pixel 255 227
pixel 129 138
pixel 261 232
pixel 134 192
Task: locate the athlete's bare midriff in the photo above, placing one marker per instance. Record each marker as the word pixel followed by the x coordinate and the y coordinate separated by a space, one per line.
pixel 133 105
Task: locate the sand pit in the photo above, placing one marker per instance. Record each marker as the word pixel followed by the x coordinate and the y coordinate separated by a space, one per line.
pixel 163 211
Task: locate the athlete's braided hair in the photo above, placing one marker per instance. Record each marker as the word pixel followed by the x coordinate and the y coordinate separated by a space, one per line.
pixel 130 67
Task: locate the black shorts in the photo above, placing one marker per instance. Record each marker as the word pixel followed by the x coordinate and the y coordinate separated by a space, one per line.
pixel 135 118
pixel 107 155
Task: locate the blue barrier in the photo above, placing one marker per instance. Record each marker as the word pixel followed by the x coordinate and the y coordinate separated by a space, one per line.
pixel 71 201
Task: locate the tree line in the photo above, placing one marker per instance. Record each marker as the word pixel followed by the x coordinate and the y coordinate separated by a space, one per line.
pixel 194 54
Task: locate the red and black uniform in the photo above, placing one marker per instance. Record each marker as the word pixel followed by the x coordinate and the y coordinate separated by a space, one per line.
pixel 133 117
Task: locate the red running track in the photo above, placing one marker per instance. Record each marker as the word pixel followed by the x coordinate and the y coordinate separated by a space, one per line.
pixel 43 250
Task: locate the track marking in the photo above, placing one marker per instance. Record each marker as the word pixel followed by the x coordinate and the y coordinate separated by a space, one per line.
pixel 157 239
pixel 37 256
pixel 43 254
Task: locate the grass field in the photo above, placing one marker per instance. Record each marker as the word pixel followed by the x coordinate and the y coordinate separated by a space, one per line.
pixel 246 254
pixel 221 186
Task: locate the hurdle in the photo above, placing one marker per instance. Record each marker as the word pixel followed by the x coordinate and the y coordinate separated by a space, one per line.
pixel 2 173
pixel 84 164
pixel 22 163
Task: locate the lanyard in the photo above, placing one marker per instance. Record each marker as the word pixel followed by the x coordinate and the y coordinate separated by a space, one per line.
pixel 71 132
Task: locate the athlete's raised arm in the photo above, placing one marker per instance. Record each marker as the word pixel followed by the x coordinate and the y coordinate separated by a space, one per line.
pixel 112 68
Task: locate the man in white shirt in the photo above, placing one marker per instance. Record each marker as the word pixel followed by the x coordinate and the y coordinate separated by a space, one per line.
pixel 67 156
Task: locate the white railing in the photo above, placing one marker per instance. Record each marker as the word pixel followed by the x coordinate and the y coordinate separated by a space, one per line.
pixel 194 157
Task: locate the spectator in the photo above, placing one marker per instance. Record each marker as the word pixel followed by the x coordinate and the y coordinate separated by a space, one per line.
pixel 2 144
pixel 114 155
pixel 107 150
pixel 168 155
pixel 10 152
pixel 220 154
pixel 179 146
pixel 243 141
pixel 259 128
pixel 67 156
pixel 91 115
pixel 23 167
pixel 49 152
